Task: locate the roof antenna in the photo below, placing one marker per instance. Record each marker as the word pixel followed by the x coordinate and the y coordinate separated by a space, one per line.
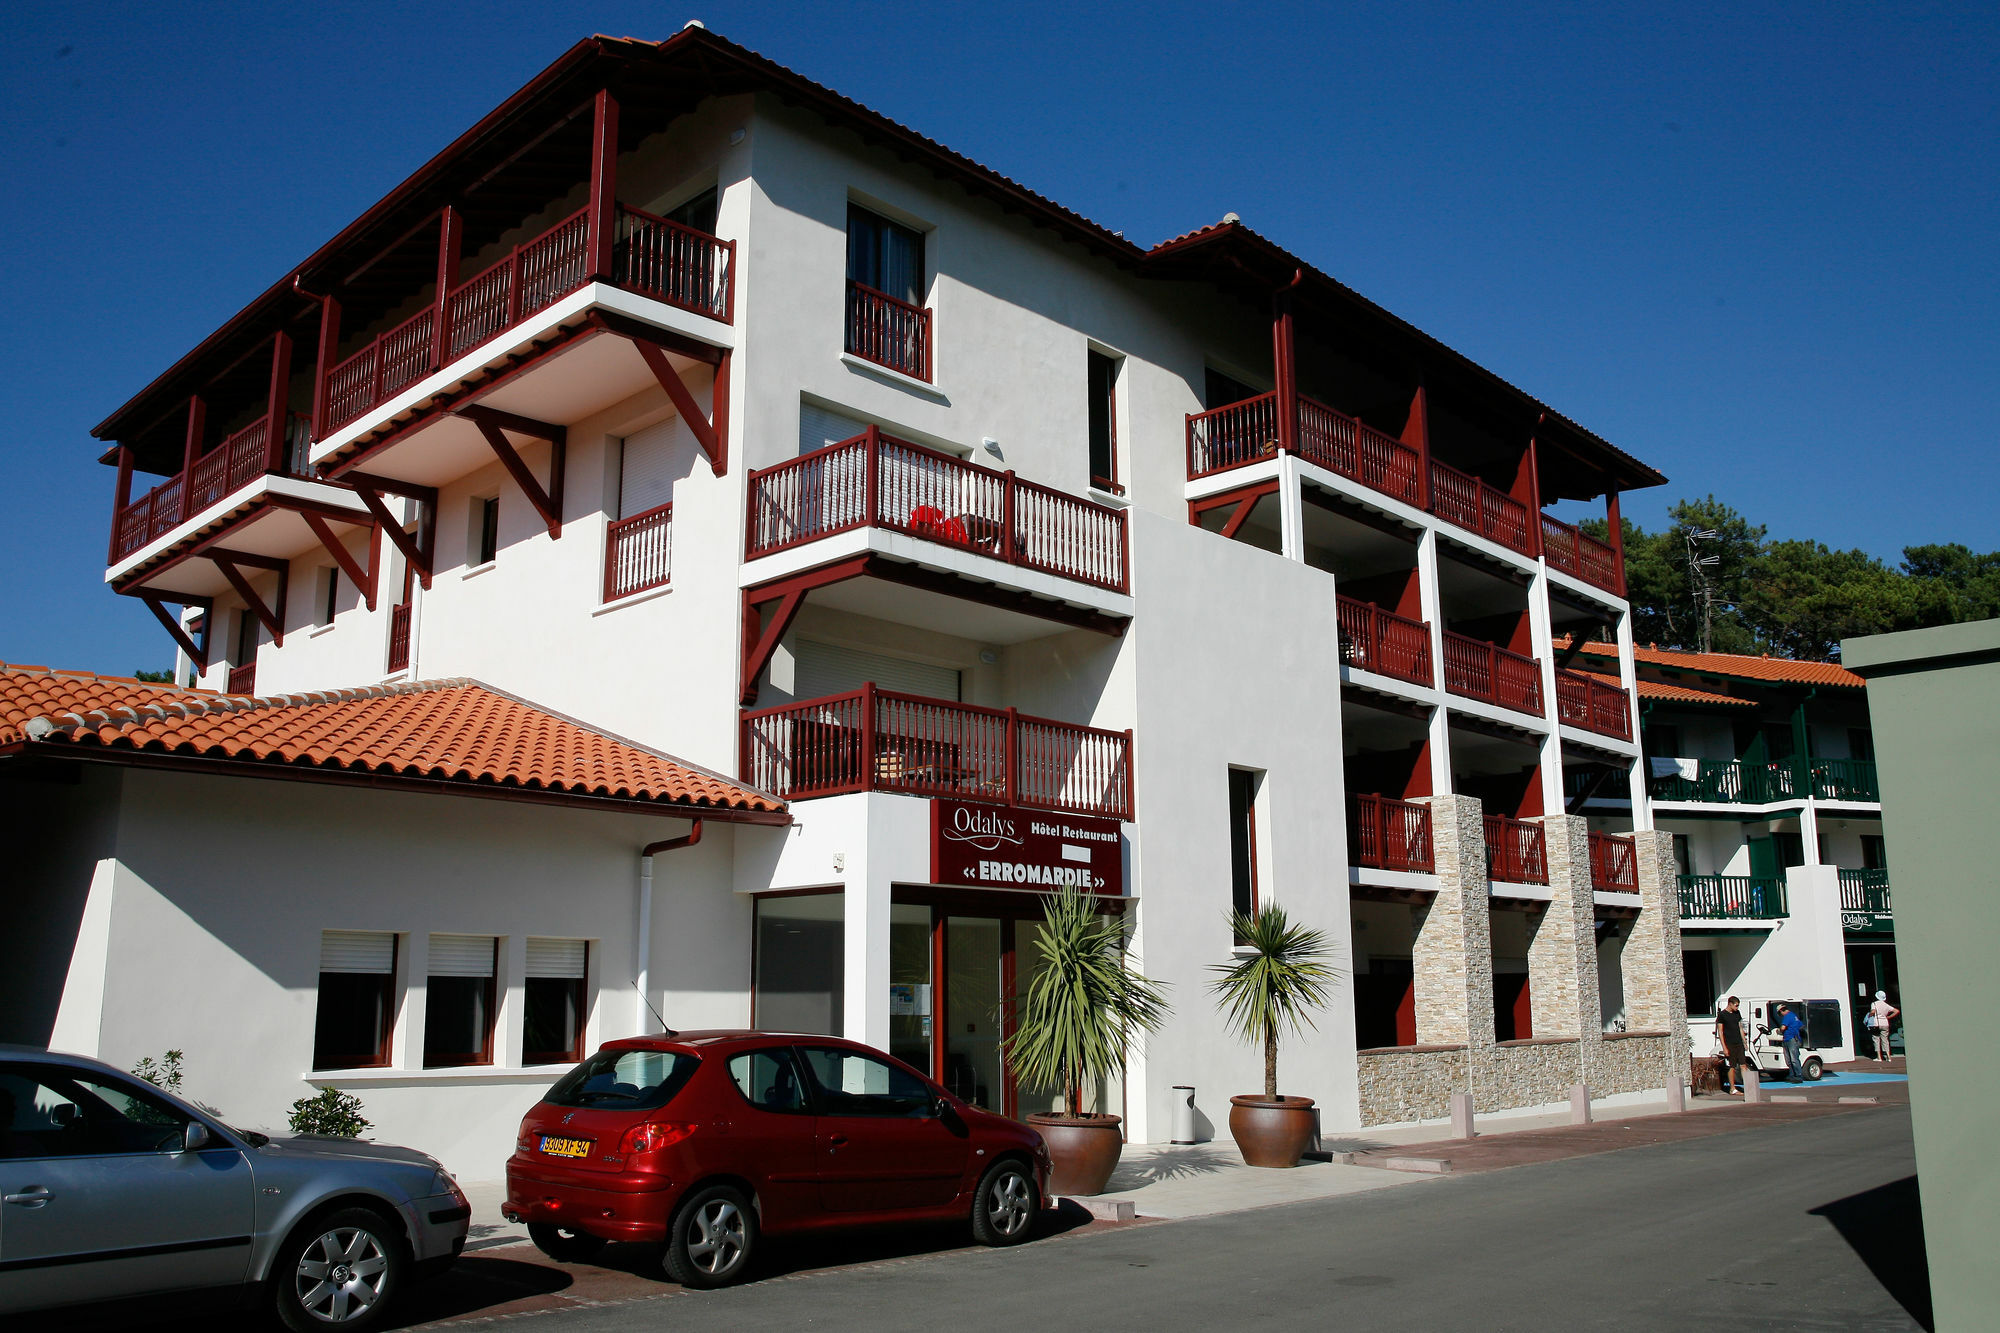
pixel 665 1031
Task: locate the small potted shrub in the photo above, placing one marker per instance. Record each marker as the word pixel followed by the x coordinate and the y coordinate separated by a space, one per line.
pixel 1072 1026
pixel 1276 982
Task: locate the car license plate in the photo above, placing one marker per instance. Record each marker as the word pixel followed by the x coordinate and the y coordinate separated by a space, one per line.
pixel 560 1147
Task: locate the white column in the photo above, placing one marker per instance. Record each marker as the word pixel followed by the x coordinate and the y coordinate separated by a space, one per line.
pixel 511 989
pixel 865 984
pixel 413 969
pixel 1541 638
pixel 1431 600
pixel 1642 796
pixel 1809 829
pixel 1291 515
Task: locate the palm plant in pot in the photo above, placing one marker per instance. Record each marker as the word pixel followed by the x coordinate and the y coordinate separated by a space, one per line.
pixel 1082 1008
pixel 1278 978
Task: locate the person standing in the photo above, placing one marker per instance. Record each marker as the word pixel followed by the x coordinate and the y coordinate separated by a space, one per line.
pixel 1792 1032
pixel 1879 1015
pixel 1729 1036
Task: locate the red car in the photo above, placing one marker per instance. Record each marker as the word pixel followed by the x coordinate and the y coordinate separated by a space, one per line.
pixel 707 1140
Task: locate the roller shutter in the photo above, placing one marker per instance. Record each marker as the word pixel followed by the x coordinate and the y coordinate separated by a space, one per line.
pixel 370 952
pixel 461 956
pixel 824 668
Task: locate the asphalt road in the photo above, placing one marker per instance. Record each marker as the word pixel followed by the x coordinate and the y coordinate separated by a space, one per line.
pixel 1808 1226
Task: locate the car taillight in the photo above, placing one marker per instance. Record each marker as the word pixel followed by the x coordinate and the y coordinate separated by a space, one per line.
pixel 653 1136
pixel 529 1140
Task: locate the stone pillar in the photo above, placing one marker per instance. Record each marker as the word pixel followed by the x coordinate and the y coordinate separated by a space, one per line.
pixel 1562 949
pixel 1454 933
pixel 1655 987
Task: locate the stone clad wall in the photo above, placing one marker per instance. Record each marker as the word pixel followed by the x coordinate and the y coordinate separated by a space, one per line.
pixel 1410 1082
pixel 1639 1062
pixel 1526 1073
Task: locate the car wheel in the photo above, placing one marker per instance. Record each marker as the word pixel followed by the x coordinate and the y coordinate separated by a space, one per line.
pixel 1814 1068
pixel 711 1240
pixel 342 1271
pixel 564 1245
pixel 1004 1209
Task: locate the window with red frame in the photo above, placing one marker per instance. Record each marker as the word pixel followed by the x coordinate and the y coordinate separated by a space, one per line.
pixel 1103 377
pixel 357 999
pixel 557 1005
pixel 459 1001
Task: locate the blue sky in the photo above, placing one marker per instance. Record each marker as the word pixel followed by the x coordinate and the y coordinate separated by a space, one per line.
pixel 1757 249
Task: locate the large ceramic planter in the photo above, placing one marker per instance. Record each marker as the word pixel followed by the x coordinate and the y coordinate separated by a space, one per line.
pixel 1083 1150
pixel 1271 1131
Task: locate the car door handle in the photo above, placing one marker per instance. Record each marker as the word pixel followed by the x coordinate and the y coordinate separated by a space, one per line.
pixel 32 1197
pixel 838 1141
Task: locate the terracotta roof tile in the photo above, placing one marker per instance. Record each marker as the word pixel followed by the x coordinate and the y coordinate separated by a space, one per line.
pixel 1781 670
pixel 1659 689
pixel 457 731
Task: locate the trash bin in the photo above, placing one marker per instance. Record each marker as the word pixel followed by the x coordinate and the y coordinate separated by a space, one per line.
pixel 1183 1113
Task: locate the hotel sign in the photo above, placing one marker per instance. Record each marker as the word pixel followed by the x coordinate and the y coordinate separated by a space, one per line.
pixel 1004 847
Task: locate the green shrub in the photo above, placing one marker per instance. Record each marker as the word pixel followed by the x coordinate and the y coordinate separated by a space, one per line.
pixel 164 1073
pixel 333 1113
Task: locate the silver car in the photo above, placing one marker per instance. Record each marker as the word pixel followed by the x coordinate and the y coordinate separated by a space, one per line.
pixel 111 1188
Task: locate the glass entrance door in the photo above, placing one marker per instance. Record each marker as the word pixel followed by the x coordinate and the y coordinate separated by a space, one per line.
pixel 976 954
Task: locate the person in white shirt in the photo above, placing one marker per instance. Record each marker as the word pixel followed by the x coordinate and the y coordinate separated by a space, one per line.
pixel 1879 1015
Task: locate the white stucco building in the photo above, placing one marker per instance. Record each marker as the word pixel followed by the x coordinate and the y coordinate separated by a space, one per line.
pixel 704 405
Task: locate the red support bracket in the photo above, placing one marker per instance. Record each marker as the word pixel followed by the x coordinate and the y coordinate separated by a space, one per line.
pixel 418 550
pixel 705 432
pixel 231 564
pixel 1244 500
pixel 363 579
pixel 198 654
pixel 789 594
pixel 493 424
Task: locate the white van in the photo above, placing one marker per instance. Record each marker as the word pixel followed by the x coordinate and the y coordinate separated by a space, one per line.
pixel 1760 1022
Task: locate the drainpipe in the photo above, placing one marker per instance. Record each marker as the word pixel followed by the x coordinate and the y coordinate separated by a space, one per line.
pixel 643 970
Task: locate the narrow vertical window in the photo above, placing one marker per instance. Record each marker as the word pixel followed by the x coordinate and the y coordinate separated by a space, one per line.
pixel 485 530
pixel 1243 839
pixel 356 1004
pixel 1103 375
pixel 245 651
pixel 329 593
pixel 552 1031
pixel 886 319
pixel 459 1000
pixel 885 255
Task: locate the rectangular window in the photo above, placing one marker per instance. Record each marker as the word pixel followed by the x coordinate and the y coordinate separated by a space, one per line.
pixel 1220 390
pixel 1683 854
pixel 1874 853
pixel 799 971
pixel 245 651
pixel 1243 839
pixel 1698 974
pixel 552 1032
pixel 1103 375
pixel 485 542
pixel 458 1006
pixel 1860 743
pixel 698 212
pixel 885 255
pixel 357 999
pixel 329 593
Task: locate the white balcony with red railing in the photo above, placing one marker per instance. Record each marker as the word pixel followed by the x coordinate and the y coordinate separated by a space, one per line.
pixel 1516 852
pixel 1614 863
pixel 876 740
pixel 1384 833
pixel 638 553
pixel 1383 642
pixel 652 257
pixel 1475 669
pixel 876 482
pixel 1241 433
pixel 1591 703
pixel 888 332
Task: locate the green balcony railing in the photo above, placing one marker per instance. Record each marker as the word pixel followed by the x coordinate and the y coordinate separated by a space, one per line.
pixel 1733 897
pixel 1864 890
pixel 1845 780
pixel 1727 782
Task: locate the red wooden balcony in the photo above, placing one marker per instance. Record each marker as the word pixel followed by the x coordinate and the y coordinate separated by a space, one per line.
pixel 242 679
pixel 1389 834
pixel 875 740
pixel 1384 642
pixel 875 481
pixel 1476 669
pixel 637 552
pixel 1614 864
pixel 222 471
pixel 1584 700
pixel 1467 502
pixel 1580 555
pixel 399 637
pixel 1243 432
pixel 1515 851
pixel 651 256
pixel 888 332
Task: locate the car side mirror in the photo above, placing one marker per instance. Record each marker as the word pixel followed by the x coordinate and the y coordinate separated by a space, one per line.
pixel 940 1107
pixel 197 1137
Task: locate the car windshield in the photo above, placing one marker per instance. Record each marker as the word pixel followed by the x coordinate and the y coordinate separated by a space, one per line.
pixel 624 1080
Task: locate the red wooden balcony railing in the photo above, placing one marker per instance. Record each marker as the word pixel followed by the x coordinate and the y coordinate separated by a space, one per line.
pixel 1476 669
pixel 242 679
pixel 1358 451
pixel 1584 700
pixel 888 332
pixel 876 740
pixel 219 473
pixel 1389 834
pixel 637 552
pixel 1515 852
pixel 874 480
pixel 1465 500
pixel 1577 553
pixel 399 637
pixel 1230 436
pixel 1614 865
pixel 652 256
pixel 1383 642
